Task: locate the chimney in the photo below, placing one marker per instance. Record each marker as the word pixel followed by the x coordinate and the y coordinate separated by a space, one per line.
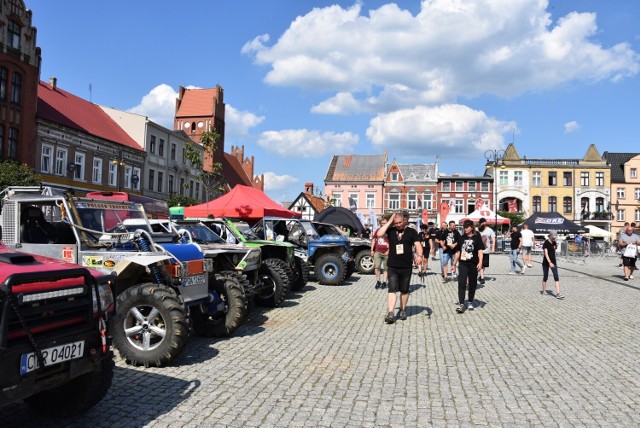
pixel 53 81
pixel 308 188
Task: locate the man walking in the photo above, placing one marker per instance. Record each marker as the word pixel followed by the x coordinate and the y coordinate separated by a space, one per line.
pixel 402 241
pixel 469 260
pixel 629 243
pixel 380 252
pixel 450 240
pixel 489 240
pixel 549 262
pixel 433 238
pixel 426 250
pixel 528 241
pixel 516 245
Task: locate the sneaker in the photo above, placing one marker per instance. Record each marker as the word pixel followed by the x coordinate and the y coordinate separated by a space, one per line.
pixel 402 315
pixel 529 266
pixel 460 308
pixel 444 279
pixel 390 319
pixel 378 284
pixel 559 296
pixel 481 281
pixel 543 292
pixel 384 285
pixel 620 265
pixel 524 268
pixel 630 276
pixel 626 279
pixel 511 272
pixel 470 306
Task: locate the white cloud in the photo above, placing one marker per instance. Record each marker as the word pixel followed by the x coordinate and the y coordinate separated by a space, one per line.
pixel 388 58
pixel 159 105
pixel 570 127
pixel 273 181
pixel 307 143
pixel 238 123
pixel 451 129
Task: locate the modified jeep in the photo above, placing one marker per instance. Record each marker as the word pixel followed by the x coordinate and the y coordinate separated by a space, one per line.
pixel 161 281
pixel 329 255
pixel 54 345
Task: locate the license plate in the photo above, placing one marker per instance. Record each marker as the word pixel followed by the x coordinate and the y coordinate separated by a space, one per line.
pixel 54 355
pixel 194 280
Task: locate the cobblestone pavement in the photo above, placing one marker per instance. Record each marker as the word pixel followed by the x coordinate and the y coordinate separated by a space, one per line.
pixel 327 359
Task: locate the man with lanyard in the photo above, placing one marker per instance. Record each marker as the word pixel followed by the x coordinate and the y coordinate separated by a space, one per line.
pixel 450 244
pixel 629 243
pixel 489 240
pixel 469 256
pixel 402 241
pixel 516 245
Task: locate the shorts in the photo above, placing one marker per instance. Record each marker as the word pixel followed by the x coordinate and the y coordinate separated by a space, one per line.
pixel 399 279
pixel 526 250
pixel 379 259
pixel 629 261
pixel 426 249
pixel 485 260
pixel 446 258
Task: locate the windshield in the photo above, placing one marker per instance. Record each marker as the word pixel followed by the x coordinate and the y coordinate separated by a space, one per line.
pixel 308 227
pixel 107 216
pixel 202 234
pixel 327 229
pixel 246 230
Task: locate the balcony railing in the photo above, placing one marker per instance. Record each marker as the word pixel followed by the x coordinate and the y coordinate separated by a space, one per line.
pixel 599 215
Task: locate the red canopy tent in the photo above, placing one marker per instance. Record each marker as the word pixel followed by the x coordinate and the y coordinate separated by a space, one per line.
pixel 488 214
pixel 241 202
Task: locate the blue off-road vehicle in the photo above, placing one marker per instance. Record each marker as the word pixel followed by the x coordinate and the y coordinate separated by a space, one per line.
pixel 328 255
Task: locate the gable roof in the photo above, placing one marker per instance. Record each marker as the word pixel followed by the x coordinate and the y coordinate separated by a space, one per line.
pixel 418 172
pixel 617 161
pixel 233 171
pixel 356 168
pixel 197 102
pixel 64 108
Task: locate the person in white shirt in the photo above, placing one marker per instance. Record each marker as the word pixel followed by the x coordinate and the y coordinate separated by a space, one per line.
pixel 528 241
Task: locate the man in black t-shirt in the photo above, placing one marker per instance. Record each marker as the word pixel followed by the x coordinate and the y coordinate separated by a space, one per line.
pixel 516 246
pixel 426 249
pixel 469 259
pixel 433 240
pixel 449 242
pixel 549 262
pixel 402 241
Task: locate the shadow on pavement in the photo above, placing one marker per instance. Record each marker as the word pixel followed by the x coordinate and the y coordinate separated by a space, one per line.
pixel 137 397
pixel 417 310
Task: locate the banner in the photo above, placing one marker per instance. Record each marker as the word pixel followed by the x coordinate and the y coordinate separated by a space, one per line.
pixel 513 205
pixel 425 216
pixel 479 204
pixel 444 210
pixel 372 218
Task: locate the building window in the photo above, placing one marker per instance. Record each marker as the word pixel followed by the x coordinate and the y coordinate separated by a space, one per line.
pixel 371 200
pixel 412 201
pixel 636 194
pixel 337 199
pixel 136 181
pixel 472 186
pixel 161 181
pixel 197 191
pixel 620 192
pixel 458 206
pixel 567 179
pixel 459 186
pixel 97 170
pixel 191 186
pixel 184 156
pixel 45 159
pixel 446 186
pixel 152 178
pixel 78 170
pixel 127 176
pixel 394 176
pixel 600 179
pixel 394 201
pixel 16 88
pixel 173 152
pixel 13 142
pixel 504 178
pixel 537 178
pixel 484 186
pixel 637 215
pixel 537 204
pixel 182 186
pixel 61 161
pixel 553 203
pixel 1 141
pixel 600 205
pixel 354 196
pixel 113 174
pixel 620 215
pixel 553 178
pixel 13 30
pixel 584 179
pixel 517 178
pixel 633 173
pixel 584 208
pixel 567 203
pixel 4 75
pixel 161 147
pixel 427 201
pixel 171 189
pixel 152 144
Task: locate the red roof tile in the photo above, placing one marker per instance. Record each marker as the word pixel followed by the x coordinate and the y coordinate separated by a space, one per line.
pixel 197 102
pixel 58 106
pixel 316 202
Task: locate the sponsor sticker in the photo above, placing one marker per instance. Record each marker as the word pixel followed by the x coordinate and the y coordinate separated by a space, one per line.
pixel 67 254
pixel 92 261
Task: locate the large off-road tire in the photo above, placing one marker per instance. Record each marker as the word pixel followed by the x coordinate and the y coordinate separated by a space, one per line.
pixel 151 326
pixel 303 267
pixel 78 395
pixel 364 262
pixel 247 288
pixel 330 269
pixel 226 311
pixel 273 273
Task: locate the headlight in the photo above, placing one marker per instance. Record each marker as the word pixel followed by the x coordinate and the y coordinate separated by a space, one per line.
pixel 105 294
pixel 208 265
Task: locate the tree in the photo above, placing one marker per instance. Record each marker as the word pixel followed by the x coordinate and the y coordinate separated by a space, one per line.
pixel 13 173
pixel 213 182
pixel 181 200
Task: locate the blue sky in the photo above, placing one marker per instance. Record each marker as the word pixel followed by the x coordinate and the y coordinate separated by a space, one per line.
pixel 305 80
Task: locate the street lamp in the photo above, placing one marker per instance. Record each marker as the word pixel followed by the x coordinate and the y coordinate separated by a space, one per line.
pixel 118 163
pixel 495 158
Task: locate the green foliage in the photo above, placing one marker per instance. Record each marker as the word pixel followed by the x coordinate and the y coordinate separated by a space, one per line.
pixel 13 173
pixel 213 183
pixel 182 201
pixel 516 218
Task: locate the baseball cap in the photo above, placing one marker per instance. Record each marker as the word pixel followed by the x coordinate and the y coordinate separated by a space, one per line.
pixel 553 233
pixel 467 223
